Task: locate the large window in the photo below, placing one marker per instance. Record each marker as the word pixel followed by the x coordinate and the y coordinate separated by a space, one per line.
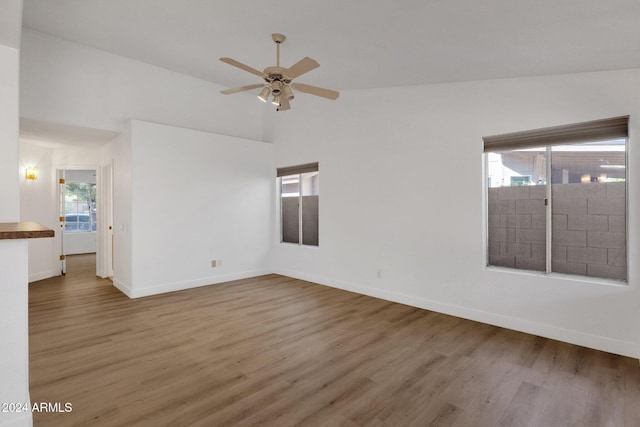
pixel 80 207
pixel 557 199
pixel 299 198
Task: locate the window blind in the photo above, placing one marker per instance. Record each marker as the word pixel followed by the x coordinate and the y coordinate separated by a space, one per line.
pixel 592 131
pixel 295 170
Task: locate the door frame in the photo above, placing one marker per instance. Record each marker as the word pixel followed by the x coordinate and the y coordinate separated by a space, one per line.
pixel 60 173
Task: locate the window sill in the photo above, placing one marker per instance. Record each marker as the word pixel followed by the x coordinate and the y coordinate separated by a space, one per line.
pixel 296 245
pixel 560 276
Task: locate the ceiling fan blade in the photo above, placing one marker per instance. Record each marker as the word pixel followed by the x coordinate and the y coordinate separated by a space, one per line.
pixel 314 90
pixel 241 89
pixel 242 66
pixel 305 65
pixel 284 104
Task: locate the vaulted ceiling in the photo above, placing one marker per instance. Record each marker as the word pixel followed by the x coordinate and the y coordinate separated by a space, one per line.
pixel 359 44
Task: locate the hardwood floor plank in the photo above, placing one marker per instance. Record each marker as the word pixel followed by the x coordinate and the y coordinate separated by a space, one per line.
pixel 278 351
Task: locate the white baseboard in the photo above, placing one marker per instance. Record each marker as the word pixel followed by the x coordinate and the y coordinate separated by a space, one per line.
pixel 611 345
pixel 179 286
pixel 43 275
pixel 125 289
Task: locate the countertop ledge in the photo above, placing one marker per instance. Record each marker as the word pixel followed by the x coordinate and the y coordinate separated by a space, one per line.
pixel 24 230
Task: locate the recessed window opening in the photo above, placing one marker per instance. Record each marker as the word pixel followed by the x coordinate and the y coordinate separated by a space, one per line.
pixel 299 204
pixel 557 199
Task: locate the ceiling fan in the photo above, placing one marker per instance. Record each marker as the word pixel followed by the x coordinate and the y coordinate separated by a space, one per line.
pixel 278 81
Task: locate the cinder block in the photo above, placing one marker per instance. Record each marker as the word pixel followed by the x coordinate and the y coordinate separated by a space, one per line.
pixel 530 236
pixel 558 253
pixel 502 261
pixel 576 268
pixel 607 206
pixel 559 222
pixel 598 239
pixel 530 264
pixel 588 222
pixel 494 220
pixel 513 193
pixel 502 207
pixel 539 222
pixel 569 267
pixel 616 189
pixel 492 193
pixel 539 252
pixel 497 234
pixel 502 235
pixel 538 191
pixel 569 206
pixel 517 249
pixel 558 266
pixel 607 271
pixel 617 223
pixel 617 257
pixel 524 207
pixel 557 190
pixel 518 221
pixel 494 248
pixel 569 238
pixel 587 255
pixel 583 191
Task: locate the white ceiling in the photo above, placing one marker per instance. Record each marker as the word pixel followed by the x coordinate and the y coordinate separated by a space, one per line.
pixel 359 44
pixel 55 135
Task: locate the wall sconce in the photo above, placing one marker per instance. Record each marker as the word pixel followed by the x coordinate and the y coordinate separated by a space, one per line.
pixel 31 173
pixel 586 178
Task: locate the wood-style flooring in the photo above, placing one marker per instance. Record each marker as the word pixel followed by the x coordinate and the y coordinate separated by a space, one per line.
pixel 276 351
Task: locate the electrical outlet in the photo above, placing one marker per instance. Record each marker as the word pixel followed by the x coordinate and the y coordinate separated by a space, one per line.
pixel 214 263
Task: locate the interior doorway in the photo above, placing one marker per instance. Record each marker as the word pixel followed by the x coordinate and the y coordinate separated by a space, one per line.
pixel 78 209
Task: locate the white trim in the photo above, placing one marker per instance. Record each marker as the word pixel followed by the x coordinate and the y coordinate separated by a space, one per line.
pixel 122 287
pixel 189 284
pixel 598 342
pixel 42 275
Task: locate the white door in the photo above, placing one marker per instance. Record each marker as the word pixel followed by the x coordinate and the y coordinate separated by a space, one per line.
pixel 107 210
pixel 62 211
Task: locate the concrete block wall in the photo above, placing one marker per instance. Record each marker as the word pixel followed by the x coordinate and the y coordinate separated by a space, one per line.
pixel 588 228
pixel 517 227
pixel 590 236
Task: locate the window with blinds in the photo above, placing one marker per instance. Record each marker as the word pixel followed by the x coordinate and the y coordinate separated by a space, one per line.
pixel 557 199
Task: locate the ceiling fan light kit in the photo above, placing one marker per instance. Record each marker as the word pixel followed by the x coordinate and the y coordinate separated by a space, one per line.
pixel 278 81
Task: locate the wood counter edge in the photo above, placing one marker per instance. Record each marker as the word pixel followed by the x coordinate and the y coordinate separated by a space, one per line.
pixel 24 230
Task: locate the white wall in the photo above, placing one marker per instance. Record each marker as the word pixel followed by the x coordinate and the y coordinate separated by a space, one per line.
pixel 9 77
pixel 195 197
pixel 73 84
pixel 14 331
pixel 38 202
pixel 402 192
pixel 118 153
pixel 80 243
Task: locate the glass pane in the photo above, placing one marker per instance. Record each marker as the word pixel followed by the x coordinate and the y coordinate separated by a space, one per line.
pixel 310 196
pixel 290 186
pixel 311 184
pixel 80 207
pixel 589 209
pixel 517 212
pixel 290 199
